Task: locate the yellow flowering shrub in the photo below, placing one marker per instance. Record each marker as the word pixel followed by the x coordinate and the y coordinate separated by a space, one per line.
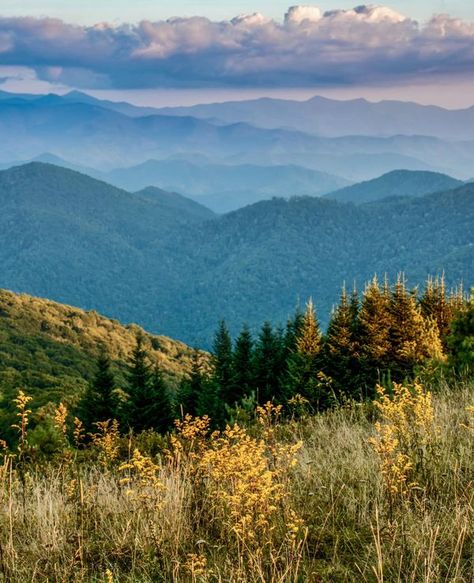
pixel 405 429
pixel 107 441
pixel 246 479
pixel 143 480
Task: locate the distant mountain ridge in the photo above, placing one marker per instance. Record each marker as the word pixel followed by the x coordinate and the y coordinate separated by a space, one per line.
pixel 82 242
pixel 336 118
pixel 395 183
pixel 226 187
pixel 105 136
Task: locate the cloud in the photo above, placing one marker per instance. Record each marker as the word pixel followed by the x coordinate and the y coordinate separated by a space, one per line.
pixel 368 44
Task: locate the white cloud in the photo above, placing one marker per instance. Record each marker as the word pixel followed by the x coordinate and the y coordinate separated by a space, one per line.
pixel 300 14
pixel 340 47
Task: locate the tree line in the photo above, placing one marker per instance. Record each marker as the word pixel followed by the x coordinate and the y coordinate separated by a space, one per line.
pixel 387 333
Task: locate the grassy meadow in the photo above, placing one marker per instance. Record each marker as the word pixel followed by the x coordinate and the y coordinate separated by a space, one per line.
pixel 374 492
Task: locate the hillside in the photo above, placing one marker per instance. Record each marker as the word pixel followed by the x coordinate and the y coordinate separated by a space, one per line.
pixel 85 243
pixel 80 241
pixel 396 183
pixel 49 349
pixel 225 187
pixel 180 207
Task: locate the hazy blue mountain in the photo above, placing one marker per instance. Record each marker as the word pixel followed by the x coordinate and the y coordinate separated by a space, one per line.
pixel 90 135
pixel 80 241
pixel 332 118
pixel 395 183
pixel 225 187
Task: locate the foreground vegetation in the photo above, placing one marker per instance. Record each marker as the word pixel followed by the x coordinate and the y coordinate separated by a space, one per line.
pixel 375 492
pixel 300 456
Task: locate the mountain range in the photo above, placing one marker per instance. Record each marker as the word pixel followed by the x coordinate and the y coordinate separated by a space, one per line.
pixel 225 187
pixel 159 260
pixel 361 141
pixel 334 118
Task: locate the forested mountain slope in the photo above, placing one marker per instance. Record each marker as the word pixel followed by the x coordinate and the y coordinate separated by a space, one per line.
pixel 82 242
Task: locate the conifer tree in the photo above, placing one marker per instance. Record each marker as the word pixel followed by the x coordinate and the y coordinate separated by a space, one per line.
pixel 158 410
pixel 269 364
pixel 99 402
pixel 413 338
pixel 191 387
pixel 374 324
pixel 305 362
pixel 222 360
pixel 242 384
pixel 148 405
pixel 435 305
pixel 461 340
pixel 293 328
pixel 340 347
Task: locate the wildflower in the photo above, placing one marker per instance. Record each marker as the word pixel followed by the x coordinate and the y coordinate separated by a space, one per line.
pixel 407 424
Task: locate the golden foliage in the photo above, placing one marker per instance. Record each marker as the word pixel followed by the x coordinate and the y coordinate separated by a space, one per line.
pixel 107 441
pixel 21 402
pixel 60 418
pixel 407 424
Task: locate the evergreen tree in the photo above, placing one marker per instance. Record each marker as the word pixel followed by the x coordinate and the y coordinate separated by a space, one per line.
pixel 158 409
pixel 222 359
pixel 413 338
pixel 99 402
pixel 374 333
pixel 340 347
pixel 191 387
pixel 242 383
pixel 149 404
pixel 139 384
pixel 461 340
pixel 436 305
pixel 269 364
pixel 292 331
pixel 305 362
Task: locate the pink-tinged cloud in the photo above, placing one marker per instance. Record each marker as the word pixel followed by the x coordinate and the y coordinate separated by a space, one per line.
pixel 369 44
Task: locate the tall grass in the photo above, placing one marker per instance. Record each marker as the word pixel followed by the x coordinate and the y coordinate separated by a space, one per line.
pixel 300 500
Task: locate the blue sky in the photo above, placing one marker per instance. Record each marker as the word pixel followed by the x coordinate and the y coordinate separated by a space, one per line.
pixel 91 11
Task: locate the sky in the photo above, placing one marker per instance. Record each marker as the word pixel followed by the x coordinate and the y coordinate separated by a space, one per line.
pixel 420 50
pixel 93 11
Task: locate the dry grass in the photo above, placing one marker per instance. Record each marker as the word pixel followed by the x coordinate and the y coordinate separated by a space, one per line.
pixel 192 514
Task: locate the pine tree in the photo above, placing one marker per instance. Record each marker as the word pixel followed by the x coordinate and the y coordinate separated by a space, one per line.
pixel 413 338
pixel 293 327
pixel 191 387
pixel 139 383
pixel 340 346
pixel 461 340
pixel 99 402
pixel 305 362
pixel 435 305
pixel 222 361
pixel 373 334
pixel 269 364
pixel 158 409
pixel 242 384
pixel 149 404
